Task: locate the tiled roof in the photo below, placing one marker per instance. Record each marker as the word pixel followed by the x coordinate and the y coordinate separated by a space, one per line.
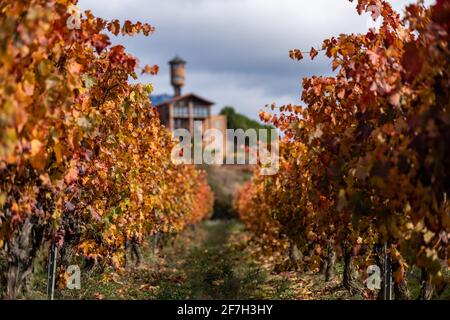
pixel 160 98
pixel 189 95
pixel 177 60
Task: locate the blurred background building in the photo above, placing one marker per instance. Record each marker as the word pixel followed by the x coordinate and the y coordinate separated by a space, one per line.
pixel 182 111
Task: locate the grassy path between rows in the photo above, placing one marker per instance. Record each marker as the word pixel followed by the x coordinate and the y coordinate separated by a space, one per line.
pixel 214 266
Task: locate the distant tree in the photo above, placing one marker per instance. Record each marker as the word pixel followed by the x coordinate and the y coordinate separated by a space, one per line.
pixel 236 121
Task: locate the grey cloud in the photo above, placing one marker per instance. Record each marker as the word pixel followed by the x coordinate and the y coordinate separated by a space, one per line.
pixel 237 50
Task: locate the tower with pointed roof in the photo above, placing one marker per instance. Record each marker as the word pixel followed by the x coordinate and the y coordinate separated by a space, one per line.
pixel 177 74
pixel 184 111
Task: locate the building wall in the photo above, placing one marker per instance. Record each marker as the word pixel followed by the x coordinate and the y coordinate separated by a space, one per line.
pixel 164 115
pixel 183 113
pixel 218 122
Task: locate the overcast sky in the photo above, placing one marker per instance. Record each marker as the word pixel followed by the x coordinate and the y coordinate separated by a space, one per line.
pixel 237 50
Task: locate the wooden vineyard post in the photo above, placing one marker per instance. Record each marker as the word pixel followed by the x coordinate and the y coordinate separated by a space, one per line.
pixel 51 271
pixel 155 243
pixel 125 258
pixel 387 275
